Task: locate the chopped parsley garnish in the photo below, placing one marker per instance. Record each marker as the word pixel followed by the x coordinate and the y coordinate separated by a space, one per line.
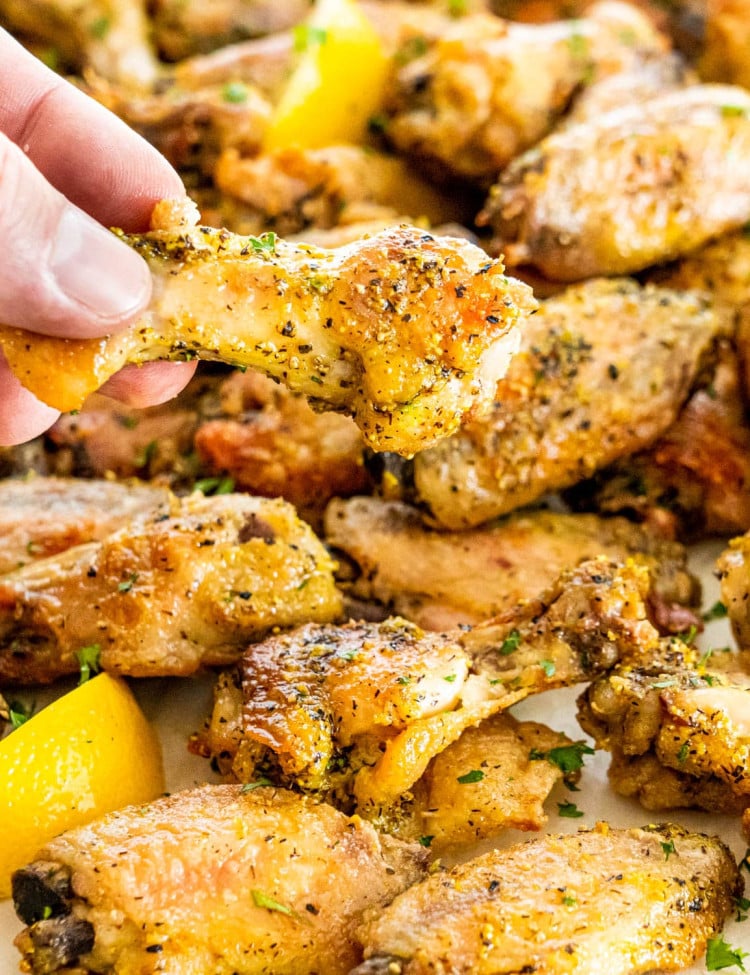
pixel 745 861
pixel 128 583
pixel 721 955
pixel 668 848
pixel 265 900
pixel 266 243
pixel 214 485
pixel 569 900
pixel 252 786
pixel 683 753
pixel 733 111
pixel 144 457
pixel 234 92
pixel 476 775
pixel 450 678
pixel 403 680
pixel 88 661
pixel 689 635
pixel 568 758
pixel 510 643
pixel 717 612
pixel 426 840
pixel 742 905
pixel 19 713
pixel 569 810
pixel 548 666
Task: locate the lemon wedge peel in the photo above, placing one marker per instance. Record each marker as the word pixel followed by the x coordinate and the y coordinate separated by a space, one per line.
pixel 89 752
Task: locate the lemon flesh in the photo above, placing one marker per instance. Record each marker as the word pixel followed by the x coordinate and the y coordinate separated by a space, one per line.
pixel 337 84
pixel 88 753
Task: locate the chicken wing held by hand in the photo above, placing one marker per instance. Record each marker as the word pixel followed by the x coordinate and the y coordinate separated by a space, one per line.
pixel 406 331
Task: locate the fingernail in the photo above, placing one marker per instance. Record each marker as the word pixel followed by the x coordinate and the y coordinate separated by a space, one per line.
pixel 96 270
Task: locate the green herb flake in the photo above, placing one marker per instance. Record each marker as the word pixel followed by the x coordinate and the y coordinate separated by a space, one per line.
pixel 569 900
pixel 265 244
pixel 450 679
pixel 89 661
pixel 307 36
pixel 683 753
pixel 426 840
pixel 744 863
pixel 214 485
pixel 46 913
pixel 717 612
pixel 128 584
pixel 457 8
pixel 99 28
pixel 742 906
pixel 511 643
pixel 234 92
pixel 689 635
pixel 548 666
pixel 264 900
pixel 733 111
pixel 252 786
pixel 144 457
pixel 569 810
pixel 668 848
pixel 568 758
pixel 476 775
pixel 19 713
pixel 403 680
pixel 721 955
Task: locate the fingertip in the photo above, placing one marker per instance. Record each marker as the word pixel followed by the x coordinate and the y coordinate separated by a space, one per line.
pixel 22 416
pixel 149 384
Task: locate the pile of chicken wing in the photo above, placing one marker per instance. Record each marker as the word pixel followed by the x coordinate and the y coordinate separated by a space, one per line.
pixel 504 512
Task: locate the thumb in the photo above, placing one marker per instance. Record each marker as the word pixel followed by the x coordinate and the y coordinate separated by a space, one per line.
pixel 62 273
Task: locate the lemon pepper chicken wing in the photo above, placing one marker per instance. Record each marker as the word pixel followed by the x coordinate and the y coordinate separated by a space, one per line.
pixel 677 728
pixel 487 89
pixel 638 186
pixel 443 579
pixel 604 369
pixel 406 331
pixel 598 900
pixel 360 710
pixel 210 880
pixel 167 594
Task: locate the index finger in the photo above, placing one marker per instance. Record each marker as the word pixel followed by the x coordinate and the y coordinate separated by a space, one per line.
pixel 84 150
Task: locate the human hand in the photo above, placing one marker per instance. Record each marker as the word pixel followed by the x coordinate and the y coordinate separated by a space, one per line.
pixel 68 170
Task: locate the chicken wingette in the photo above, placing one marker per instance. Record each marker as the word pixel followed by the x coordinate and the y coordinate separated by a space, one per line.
pixel 443 579
pixel 601 900
pixel 215 880
pixel 406 331
pixel 637 186
pixel 604 369
pixel 166 594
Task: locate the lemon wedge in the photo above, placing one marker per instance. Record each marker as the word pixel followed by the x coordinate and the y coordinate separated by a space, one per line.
pixel 88 753
pixel 337 84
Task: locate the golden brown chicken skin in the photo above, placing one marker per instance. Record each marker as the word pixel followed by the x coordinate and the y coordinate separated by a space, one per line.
pixel 678 728
pixel 733 569
pixel 486 89
pixel 726 42
pixel 639 186
pixel 604 370
pixel 167 594
pixel 407 332
pixel 443 579
pixel 697 474
pixel 211 880
pixel 42 516
pixel 358 711
pixel 599 900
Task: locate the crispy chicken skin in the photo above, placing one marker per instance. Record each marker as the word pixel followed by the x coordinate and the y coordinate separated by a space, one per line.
pixel 455 807
pixel 487 89
pixel 42 516
pixel 697 474
pixel 604 370
pixel 168 594
pixel 109 37
pixel 407 332
pixel 639 186
pixel 443 579
pixel 733 569
pixel 678 728
pixel 360 710
pixel 601 900
pixel 209 880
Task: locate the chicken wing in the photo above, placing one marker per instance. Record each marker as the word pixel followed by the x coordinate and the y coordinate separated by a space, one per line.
pixel 601 900
pixel 215 880
pixel 603 371
pixel 358 711
pixel 43 516
pixel 677 727
pixel 406 331
pixel 697 474
pixel 639 186
pixel 443 579
pixel 167 594
pixel 486 89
